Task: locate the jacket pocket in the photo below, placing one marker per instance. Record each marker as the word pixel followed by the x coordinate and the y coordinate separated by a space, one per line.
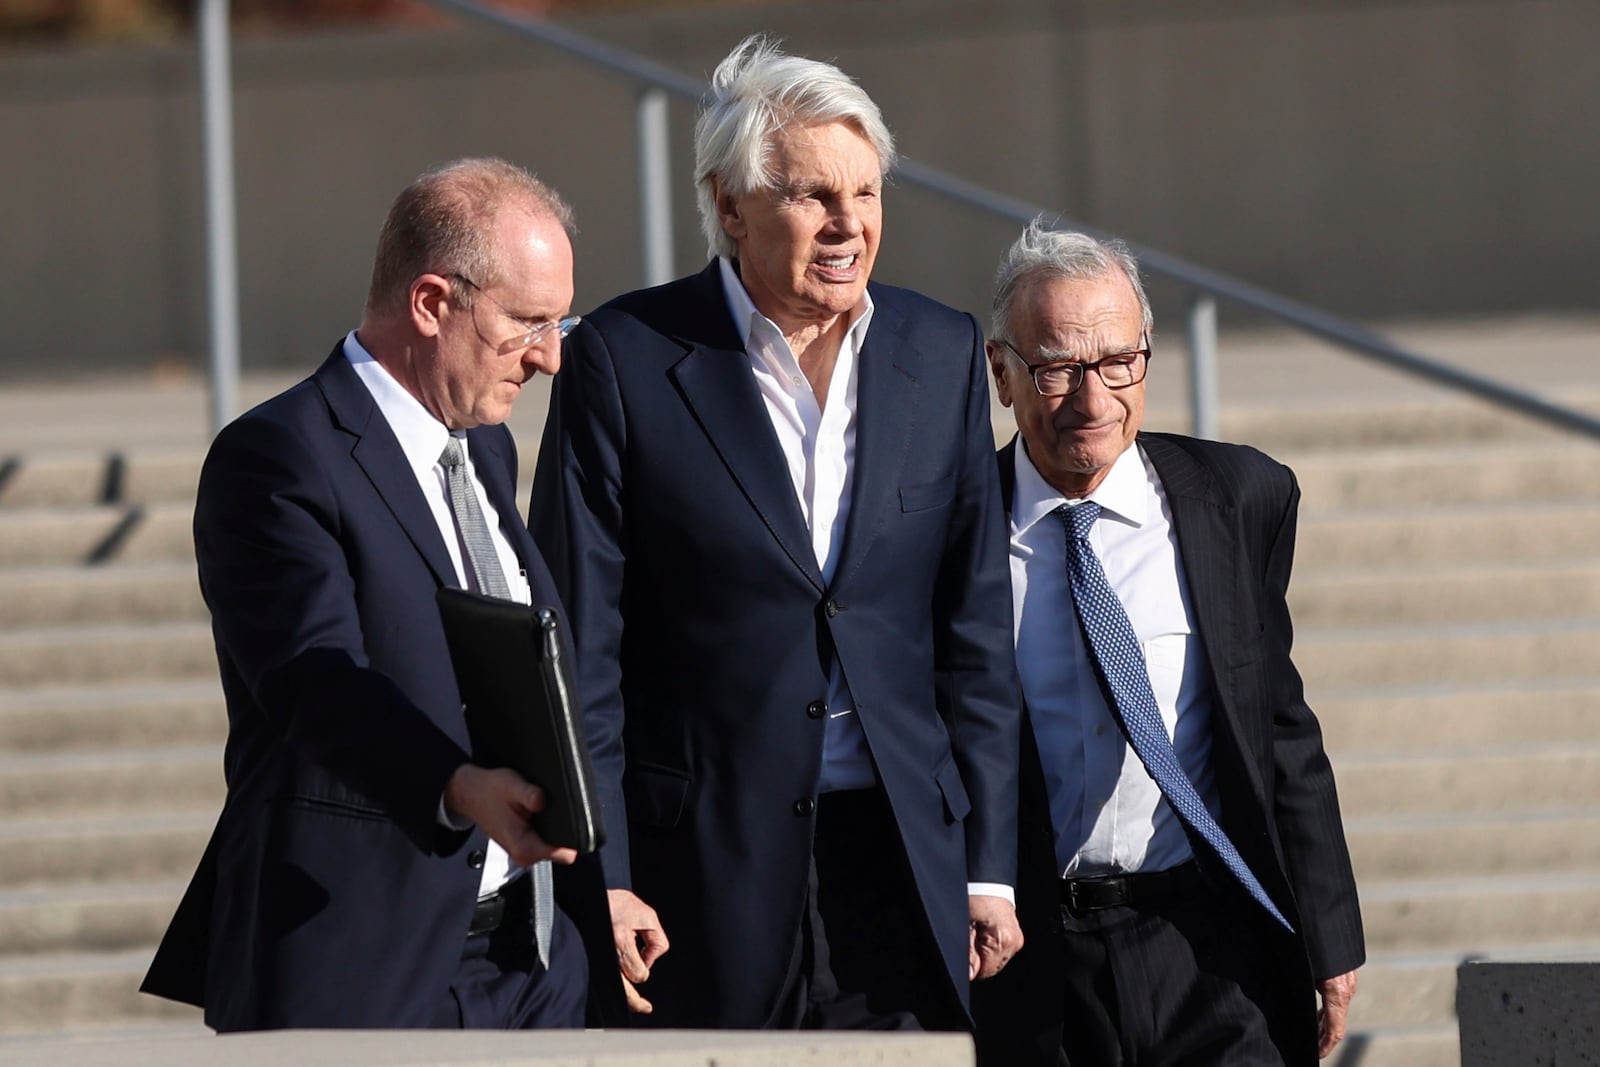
pixel 956 803
pixel 338 806
pixel 927 495
pixel 656 794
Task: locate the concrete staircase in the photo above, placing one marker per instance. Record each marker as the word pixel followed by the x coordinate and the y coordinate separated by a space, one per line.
pixel 1447 600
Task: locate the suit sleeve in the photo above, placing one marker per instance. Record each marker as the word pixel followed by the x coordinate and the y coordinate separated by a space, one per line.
pixel 577 519
pixel 973 655
pixel 283 601
pixel 1307 802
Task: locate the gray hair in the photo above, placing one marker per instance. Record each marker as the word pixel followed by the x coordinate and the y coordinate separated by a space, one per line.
pixel 756 92
pixel 1041 251
pixel 442 223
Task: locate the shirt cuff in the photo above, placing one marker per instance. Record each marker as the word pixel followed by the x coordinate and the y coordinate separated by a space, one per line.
pixel 450 823
pixel 993 889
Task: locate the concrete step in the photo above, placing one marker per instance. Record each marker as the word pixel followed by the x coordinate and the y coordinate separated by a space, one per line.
pixel 1359 596
pixel 173 779
pixel 1528 779
pixel 1418 989
pixel 1392 539
pixel 1388 848
pixel 106 655
pixel 1430 717
pixel 61 596
pixel 1427 477
pixel 1462 654
pixel 71 536
pixel 110 477
pixel 78 991
pixel 1359 427
pixel 99 918
pixel 1478 915
pixel 110 716
pixel 1422 1046
pixel 101 850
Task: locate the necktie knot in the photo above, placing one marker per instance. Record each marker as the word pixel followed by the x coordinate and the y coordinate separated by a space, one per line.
pixel 451 457
pixel 1079 518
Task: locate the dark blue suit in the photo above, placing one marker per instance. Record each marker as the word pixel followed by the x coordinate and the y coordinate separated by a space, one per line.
pixel 330 895
pixel 705 629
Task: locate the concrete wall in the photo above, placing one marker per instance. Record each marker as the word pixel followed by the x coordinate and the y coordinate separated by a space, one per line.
pixel 1375 156
pixel 1529 1014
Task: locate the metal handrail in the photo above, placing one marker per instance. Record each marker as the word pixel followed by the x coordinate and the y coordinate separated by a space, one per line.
pixel 1205 286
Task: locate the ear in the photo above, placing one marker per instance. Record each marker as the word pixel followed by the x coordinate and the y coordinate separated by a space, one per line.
pixel 997 366
pixel 430 299
pixel 727 205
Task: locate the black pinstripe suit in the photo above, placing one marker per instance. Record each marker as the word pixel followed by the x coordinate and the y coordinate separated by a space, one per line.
pixel 1233 511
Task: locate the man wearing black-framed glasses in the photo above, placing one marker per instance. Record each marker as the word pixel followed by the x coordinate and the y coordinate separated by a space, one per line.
pixel 1184 884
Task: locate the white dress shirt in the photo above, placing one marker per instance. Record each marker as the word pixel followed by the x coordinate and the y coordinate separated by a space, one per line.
pixel 422 438
pixel 1108 814
pixel 819 447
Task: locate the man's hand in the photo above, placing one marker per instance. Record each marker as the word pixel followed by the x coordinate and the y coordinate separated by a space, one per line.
pixel 1336 995
pixel 500 802
pixel 994 937
pixel 640 942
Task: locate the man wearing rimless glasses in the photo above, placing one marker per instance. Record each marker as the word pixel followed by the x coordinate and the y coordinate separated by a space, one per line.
pixel 1183 882
pixel 365 872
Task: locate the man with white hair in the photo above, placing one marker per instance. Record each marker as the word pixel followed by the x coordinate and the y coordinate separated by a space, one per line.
pixel 767 492
pixel 1185 884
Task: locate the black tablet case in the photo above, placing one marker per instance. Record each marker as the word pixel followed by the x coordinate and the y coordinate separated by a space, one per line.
pixel 512 664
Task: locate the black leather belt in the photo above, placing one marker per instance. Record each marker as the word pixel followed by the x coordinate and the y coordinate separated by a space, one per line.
pixel 490 912
pixel 1080 896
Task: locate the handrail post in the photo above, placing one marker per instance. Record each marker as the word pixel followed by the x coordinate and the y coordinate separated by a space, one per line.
pixel 1200 328
pixel 655 187
pixel 222 252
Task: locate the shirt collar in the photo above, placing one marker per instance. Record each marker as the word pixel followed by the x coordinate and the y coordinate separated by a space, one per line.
pixel 1123 493
pixel 747 319
pixel 422 437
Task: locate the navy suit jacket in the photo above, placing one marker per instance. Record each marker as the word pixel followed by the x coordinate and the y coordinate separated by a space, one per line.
pixel 330 895
pixel 1234 513
pixel 704 628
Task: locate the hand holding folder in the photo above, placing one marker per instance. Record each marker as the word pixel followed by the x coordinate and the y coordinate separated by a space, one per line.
pixel 512 667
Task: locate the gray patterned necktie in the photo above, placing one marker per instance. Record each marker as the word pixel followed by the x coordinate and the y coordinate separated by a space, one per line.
pixel 483 567
pixel 1115 648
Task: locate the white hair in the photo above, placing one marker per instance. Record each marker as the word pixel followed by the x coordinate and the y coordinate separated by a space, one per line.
pixel 755 92
pixel 1041 251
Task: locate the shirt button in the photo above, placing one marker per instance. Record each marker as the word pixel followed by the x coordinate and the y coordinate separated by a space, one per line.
pixel 805 806
pixel 816 709
pixel 794 380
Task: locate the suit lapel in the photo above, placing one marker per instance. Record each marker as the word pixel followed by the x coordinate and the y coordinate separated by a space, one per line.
pixel 1207 543
pixel 717 383
pixel 886 407
pixel 377 452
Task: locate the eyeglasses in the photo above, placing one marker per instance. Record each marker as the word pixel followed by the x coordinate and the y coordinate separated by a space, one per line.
pixel 533 332
pixel 1063 377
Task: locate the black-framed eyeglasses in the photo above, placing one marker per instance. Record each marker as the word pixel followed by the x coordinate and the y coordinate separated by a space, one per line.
pixel 534 332
pixel 1063 377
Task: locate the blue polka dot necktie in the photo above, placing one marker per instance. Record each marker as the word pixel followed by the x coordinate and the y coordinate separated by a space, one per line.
pixel 1116 651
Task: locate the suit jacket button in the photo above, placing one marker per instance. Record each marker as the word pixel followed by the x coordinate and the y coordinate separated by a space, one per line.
pixel 475 859
pixel 805 806
pixel 832 608
pixel 817 709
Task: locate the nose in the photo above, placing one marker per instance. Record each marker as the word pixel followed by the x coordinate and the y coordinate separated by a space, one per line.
pixel 846 219
pixel 544 355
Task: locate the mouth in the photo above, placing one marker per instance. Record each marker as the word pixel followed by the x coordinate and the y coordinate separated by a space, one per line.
pixel 840 266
